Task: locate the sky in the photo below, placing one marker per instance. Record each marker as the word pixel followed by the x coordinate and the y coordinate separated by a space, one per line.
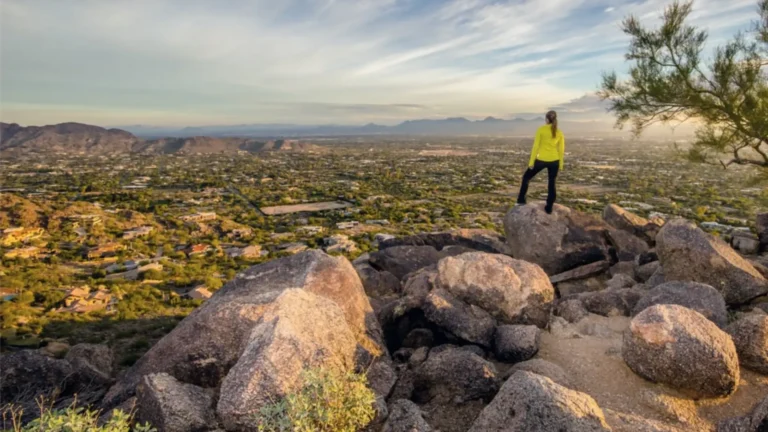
pixel 213 62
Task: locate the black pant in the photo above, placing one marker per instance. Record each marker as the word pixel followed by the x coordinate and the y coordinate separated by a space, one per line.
pixel 552 169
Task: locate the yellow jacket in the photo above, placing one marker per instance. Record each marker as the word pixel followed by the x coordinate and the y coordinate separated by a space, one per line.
pixel 546 148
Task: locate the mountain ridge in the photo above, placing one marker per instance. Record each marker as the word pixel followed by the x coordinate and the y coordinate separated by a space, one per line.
pixel 82 138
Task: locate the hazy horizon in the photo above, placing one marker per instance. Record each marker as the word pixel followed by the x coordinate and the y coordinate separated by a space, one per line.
pixel 176 64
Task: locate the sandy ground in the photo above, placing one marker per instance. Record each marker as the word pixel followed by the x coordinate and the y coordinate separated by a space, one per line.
pixel 592 360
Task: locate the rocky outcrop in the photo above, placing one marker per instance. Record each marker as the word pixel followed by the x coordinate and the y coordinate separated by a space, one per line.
pixel 581 272
pixel 476 239
pixel 626 245
pixel 750 335
pixel 679 347
pixel 455 375
pixel 377 283
pixel 657 278
pixel 755 421
pixel 402 260
pixel 689 254
pixel 405 416
pixel 468 322
pixel 419 337
pixel 511 290
pixel 620 281
pixel 761 224
pixel 610 303
pixel 646 271
pixel 92 362
pixel 210 341
pixel 745 242
pixel 516 343
pixel 696 296
pixel 533 403
pixel 27 374
pixel 558 242
pixel 171 406
pixel 543 368
pixel 285 341
pixel 631 223
pixel 571 310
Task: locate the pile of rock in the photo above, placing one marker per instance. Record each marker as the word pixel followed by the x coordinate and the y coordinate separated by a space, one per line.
pixel 450 329
pixel 83 372
pixel 252 339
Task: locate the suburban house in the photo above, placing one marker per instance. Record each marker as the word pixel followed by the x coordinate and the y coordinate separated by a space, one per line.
pixel 83 299
pixel 240 233
pixel 347 225
pixel 137 232
pixel 253 251
pixel 199 217
pixel 105 250
pixel 198 249
pixel 199 293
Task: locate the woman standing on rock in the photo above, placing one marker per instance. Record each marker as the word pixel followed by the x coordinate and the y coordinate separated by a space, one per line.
pixel 548 152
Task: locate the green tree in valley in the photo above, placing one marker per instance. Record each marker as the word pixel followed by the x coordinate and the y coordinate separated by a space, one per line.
pixel 671 81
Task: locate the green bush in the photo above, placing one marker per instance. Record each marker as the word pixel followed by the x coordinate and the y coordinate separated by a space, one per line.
pixel 328 401
pixel 74 419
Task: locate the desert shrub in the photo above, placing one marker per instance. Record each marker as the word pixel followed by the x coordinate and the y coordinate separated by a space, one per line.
pixel 73 419
pixel 327 401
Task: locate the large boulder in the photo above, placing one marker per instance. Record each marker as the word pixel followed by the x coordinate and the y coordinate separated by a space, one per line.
pixel 516 343
pixel 455 375
pixel 172 406
pixel 750 335
pixel 689 254
pixel 645 272
pixel 572 310
pixel 543 368
pixel 630 223
pixel 697 296
pixel 286 341
pixel 405 416
pixel 610 303
pixel 206 344
pixel 511 290
pixel 92 362
pixel 558 242
pixel 477 239
pixel 677 346
pixel 377 283
pixel 745 242
pixel 401 260
pixel 626 245
pixel 467 322
pixel 28 374
pixel 533 403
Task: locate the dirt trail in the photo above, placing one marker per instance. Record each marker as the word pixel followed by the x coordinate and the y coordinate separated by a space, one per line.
pixel 590 353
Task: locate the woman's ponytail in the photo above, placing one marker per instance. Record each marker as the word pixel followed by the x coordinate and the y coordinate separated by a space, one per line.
pixel 552 120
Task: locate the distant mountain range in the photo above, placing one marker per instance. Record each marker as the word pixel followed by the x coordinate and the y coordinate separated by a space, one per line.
pixel 454 126
pixel 86 139
pixel 254 138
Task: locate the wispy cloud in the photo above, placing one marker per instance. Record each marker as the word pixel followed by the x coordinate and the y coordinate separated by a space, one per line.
pixel 327 61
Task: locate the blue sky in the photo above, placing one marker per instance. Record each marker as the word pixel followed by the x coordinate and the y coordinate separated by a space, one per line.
pixel 208 62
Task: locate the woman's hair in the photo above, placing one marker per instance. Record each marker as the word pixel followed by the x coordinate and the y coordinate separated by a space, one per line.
pixel 552 120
